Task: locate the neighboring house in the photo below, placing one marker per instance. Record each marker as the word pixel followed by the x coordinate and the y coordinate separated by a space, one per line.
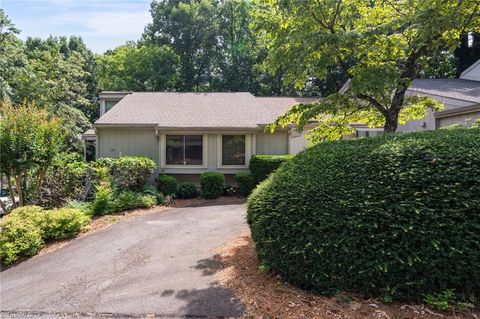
pixel 461 98
pixel 190 133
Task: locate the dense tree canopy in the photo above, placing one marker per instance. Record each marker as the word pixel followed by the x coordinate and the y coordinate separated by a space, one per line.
pixel 138 68
pixel 266 47
pixel 381 45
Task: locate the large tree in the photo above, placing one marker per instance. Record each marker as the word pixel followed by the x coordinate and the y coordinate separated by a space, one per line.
pixel 133 67
pixel 380 45
pixel 30 137
pixel 12 57
pixel 190 27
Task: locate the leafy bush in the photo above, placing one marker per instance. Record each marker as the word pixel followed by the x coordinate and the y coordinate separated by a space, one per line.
pixel 167 184
pixel 246 183
pixel 442 300
pixel 126 200
pixel 132 172
pixel 19 237
pixel 25 230
pixel 151 190
pixel 65 180
pixel 187 190
pixel 160 199
pixel 82 206
pixel 62 223
pixel 102 204
pixel 262 165
pixel 211 184
pixel 396 215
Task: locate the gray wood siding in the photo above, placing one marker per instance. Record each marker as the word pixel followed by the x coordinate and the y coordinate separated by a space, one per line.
pixel 115 142
pixel 276 143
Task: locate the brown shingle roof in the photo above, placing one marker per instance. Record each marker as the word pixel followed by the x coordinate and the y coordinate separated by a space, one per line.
pixel 197 110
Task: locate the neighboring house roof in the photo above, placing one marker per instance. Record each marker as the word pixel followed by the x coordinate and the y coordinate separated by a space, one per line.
pixel 451 88
pixel 472 73
pixel 197 110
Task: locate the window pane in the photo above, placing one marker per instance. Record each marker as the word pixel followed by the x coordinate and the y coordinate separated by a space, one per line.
pixel 233 150
pixel 174 150
pixel 193 149
pixel 109 105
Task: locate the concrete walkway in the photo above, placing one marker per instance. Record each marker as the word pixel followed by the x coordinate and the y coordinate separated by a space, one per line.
pixel 160 265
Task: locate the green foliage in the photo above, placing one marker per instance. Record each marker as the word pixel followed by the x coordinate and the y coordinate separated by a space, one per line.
pixel 64 180
pixel 132 172
pixel 85 207
pixel 211 185
pixel 29 140
pixel 138 68
pixel 263 165
pixel 167 184
pixel 246 183
pixel 150 190
pixel 380 47
pixel 19 238
pixel 395 215
pixel 25 230
pixel 160 199
pixel 187 190
pixel 441 300
pixel 62 223
pixel 102 204
pixel 127 200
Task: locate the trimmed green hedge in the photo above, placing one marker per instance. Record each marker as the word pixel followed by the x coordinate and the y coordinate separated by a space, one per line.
pixel 246 183
pixel 396 216
pixel 211 185
pixel 187 190
pixel 167 185
pixel 262 165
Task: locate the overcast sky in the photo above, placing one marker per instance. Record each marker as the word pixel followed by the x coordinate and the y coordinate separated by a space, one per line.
pixel 103 24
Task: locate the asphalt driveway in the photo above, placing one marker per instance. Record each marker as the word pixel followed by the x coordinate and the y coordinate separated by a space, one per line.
pixel 160 265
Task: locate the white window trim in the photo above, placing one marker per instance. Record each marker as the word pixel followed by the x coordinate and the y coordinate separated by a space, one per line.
pixel 163 151
pixel 248 150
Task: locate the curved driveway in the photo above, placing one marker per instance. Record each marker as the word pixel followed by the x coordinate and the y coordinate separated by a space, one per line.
pixel 161 265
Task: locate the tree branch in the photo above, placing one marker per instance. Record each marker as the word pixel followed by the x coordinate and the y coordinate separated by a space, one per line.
pixel 373 102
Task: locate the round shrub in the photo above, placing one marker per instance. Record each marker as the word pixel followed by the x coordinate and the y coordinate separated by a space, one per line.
pixel 62 223
pixel 20 237
pixel 396 216
pixel 246 183
pixel 132 172
pixel 167 184
pixel 211 185
pixel 187 190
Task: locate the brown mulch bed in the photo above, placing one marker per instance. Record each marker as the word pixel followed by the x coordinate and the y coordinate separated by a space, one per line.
pixel 266 296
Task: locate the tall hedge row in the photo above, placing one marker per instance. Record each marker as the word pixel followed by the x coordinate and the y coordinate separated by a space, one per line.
pixel 395 216
pixel 262 165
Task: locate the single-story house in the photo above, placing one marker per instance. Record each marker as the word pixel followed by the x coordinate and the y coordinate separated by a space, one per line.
pixel 190 133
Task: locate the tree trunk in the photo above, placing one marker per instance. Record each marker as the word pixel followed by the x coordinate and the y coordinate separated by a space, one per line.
pixel 18 184
pixel 2 206
pixel 10 189
pixel 391 121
